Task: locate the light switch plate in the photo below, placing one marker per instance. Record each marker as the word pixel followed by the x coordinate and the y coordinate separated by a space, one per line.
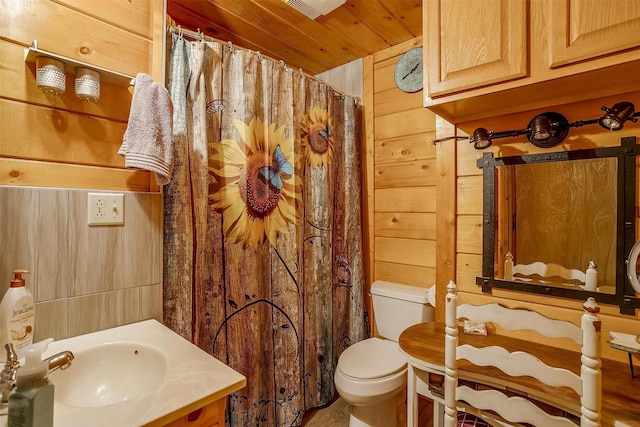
pixel 105 209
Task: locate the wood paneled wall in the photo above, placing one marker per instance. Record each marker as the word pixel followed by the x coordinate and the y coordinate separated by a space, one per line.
pixel 83 278
pixel 346 78
pixel 62 141
pixel 401 175
pixel 424 202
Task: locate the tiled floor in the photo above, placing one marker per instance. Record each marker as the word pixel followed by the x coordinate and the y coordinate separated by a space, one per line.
pixel 336 414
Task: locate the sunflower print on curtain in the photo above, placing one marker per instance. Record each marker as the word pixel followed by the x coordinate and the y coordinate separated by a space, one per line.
pixel 280 293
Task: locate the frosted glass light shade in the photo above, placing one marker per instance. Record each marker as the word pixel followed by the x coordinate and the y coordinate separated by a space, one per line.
pixel 87 84
pixel 50 75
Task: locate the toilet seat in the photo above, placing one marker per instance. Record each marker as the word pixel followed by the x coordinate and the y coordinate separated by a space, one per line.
pixel 372 359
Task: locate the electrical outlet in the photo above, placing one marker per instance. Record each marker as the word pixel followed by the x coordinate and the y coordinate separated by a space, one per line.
pixel 105 209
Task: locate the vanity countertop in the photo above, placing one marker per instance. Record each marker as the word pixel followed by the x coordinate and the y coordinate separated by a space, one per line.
pixel 193 379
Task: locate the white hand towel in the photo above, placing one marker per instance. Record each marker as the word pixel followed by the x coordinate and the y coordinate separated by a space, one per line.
pixel 147 143
pixel 626 342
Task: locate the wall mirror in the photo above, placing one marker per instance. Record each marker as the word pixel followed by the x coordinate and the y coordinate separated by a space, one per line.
pixel 561 224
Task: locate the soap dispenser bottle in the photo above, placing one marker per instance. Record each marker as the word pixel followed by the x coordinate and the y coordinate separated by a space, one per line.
pixel 17 314
pixel 31 402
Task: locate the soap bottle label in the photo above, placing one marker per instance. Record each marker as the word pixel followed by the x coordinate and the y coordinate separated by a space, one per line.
pixel 31 406
pixel 21 323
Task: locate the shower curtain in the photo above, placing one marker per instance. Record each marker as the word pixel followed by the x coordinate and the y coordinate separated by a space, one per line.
pixel 263 236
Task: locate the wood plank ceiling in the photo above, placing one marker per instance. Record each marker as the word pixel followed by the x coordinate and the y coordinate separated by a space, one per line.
pixel 356 29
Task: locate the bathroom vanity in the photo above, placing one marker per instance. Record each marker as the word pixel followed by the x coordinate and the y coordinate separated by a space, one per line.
pixel 423 346
pixel 141 374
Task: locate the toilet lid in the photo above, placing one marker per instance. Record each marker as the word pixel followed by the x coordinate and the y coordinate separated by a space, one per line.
pixel 372 358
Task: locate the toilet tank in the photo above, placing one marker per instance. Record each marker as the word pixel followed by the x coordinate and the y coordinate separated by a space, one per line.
pixel 397 306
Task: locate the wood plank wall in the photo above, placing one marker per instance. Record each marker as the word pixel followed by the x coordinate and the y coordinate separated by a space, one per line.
pixel 409 240
pixel 401 177
pixel 346 78
pixel 61 141
pixel 83 278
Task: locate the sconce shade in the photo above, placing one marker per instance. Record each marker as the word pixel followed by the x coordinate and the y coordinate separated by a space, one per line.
pixel 87 84
pixel 50 75
pixel 617 115
pixel 540 128
pixel 481 139
pixel 547 130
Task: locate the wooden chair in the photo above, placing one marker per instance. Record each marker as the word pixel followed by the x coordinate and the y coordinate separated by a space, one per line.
pixel 494 406
pixel 523 272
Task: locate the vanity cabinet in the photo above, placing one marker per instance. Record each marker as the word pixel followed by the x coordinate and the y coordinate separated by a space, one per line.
pixel 211 415
pixel 498 57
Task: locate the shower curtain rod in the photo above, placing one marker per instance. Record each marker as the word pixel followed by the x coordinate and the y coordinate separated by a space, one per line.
pixel 198 35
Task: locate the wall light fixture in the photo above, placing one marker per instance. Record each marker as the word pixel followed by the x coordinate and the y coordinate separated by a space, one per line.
pixel 50 75
pixel 549 129
pixel 87 84
pixel 51 70
pixel 545 130
pixel 617 115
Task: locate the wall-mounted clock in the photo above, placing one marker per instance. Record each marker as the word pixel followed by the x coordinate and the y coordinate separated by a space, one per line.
pixel 408 72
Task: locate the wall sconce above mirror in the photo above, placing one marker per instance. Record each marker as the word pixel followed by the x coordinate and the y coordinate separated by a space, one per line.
pixel 545 130
pixel 561 224
pixel 549 129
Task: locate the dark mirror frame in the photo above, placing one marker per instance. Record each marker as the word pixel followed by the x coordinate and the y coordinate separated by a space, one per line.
pixel 625 228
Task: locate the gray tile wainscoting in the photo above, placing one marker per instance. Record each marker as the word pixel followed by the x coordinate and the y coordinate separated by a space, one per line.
pixel 83 278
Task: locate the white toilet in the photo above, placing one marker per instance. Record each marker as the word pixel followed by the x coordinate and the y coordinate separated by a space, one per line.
pixel 372 372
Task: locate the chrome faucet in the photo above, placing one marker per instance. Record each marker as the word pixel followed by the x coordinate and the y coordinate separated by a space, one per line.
pixel 8 374
pixel 60 360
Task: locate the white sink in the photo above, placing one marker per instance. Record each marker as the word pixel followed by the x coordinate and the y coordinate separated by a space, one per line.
pixel 108 374
pixel 141 374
